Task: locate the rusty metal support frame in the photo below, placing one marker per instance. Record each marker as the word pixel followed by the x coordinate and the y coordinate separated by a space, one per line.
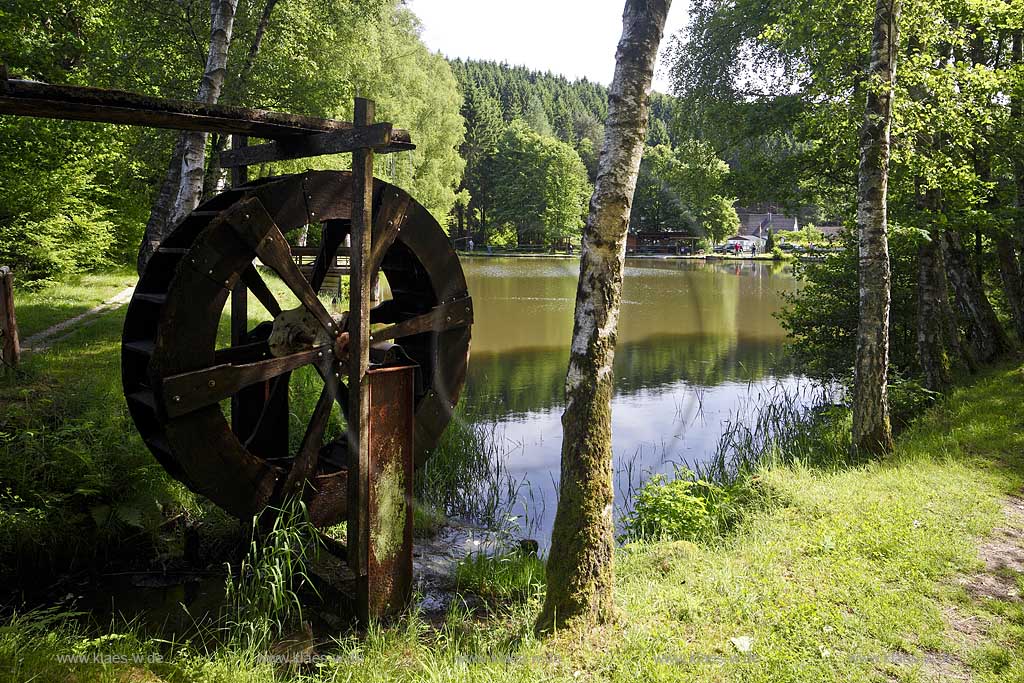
pixel 10 344
pixel 380 425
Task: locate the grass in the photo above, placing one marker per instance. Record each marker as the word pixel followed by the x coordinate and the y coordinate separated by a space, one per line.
pixel 850 576
pixel 502 580
pixel 841 573
pixel 38 309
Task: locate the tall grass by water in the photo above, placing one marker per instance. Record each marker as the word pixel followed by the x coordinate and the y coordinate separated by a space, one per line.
pixel 466 476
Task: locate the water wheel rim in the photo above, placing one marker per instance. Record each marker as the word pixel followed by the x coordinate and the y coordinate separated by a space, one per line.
pixel 171 327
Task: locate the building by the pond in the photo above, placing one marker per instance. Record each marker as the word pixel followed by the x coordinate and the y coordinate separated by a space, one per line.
pixel 661 243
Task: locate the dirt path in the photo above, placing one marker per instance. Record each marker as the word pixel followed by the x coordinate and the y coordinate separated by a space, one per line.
pixel 42 341
pixel 1000 580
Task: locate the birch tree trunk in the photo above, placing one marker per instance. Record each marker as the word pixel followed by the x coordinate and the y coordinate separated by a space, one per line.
pixel 183 186
pixel 579 570
pixel 871 429
pixel 216 177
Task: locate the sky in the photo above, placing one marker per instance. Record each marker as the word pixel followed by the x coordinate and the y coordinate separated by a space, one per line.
pixel 574 38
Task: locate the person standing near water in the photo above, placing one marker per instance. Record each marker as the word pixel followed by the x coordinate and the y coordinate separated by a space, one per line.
pixel 469 243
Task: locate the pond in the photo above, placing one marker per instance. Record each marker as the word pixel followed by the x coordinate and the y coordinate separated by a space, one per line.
pixel 697 343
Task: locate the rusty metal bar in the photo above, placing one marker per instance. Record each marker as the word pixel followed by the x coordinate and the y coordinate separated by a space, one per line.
pixel 387 587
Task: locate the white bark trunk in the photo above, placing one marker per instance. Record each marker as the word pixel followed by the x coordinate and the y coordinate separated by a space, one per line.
pixel 580 565
pixel 193 160
pixel 871 427
pixel 183 187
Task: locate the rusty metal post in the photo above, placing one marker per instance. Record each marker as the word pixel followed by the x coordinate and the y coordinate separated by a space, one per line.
pixel 10 345
pixel 388 583
pixel 240 294
pixel 359 364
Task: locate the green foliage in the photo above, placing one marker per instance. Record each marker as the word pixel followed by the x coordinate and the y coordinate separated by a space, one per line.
pixel 908 399
pixel 501 579
pixel 687 507
pixel 76 196
pixel 540 187
pixel 682 188
pixel 808 234
pixel 668 510
pixel 821 316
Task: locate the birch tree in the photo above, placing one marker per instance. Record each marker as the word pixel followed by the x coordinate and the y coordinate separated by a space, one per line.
pixel 871 429
pixel 579 570
pixel 183 185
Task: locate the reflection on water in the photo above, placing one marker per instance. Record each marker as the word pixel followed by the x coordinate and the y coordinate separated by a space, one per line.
pixel 695 338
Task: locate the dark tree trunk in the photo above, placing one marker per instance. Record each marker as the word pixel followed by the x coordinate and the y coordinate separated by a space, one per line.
pixel 1009 246
pixel 933 343
pixel 158 224
pixel 1013 284
pixel 579 570
pixel 987 337
pixel 871 428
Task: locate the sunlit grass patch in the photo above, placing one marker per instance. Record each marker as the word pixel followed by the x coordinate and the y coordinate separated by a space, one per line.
pixel 501 579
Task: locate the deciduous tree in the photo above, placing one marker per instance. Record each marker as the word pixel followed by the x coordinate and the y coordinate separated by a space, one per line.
pixel 579 570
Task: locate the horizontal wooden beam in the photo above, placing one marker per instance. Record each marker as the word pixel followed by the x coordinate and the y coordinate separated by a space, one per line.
pixel 377 136
pixel 31 98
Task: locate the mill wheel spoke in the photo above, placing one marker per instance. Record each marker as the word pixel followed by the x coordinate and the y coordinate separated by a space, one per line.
pixel 448 316
pixel 242 354
pixel 306 459
pixel 254 281
pixel 386 226
pixel 330 240
pixel 252 222
pixel 191 391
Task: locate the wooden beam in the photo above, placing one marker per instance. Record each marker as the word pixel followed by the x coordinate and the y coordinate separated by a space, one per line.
pixel 447 316
pixel 190 391
pixel 240 293
pixel 359 365
pixel 10 344
pixel 336 142
pixel 31 98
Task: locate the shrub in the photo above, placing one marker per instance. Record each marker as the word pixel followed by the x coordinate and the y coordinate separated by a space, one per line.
pixel 687 508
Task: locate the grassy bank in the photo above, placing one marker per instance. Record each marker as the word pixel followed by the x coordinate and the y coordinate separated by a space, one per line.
pixel 834 573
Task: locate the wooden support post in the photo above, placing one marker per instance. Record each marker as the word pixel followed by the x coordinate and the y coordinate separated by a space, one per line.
pixel 240 294
pixel 10 345
pixel 359 364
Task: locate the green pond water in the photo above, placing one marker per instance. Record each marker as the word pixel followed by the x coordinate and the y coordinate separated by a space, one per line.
pixel 698 344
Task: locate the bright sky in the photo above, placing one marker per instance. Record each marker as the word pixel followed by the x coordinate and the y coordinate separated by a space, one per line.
pixel 575 38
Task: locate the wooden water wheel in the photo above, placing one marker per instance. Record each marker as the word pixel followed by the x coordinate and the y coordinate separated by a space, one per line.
pixel 179 382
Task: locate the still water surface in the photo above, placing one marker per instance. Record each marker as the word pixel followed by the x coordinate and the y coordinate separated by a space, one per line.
pixel 697 343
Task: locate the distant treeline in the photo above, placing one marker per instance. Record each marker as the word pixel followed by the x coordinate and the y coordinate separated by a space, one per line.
pixel 531 148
